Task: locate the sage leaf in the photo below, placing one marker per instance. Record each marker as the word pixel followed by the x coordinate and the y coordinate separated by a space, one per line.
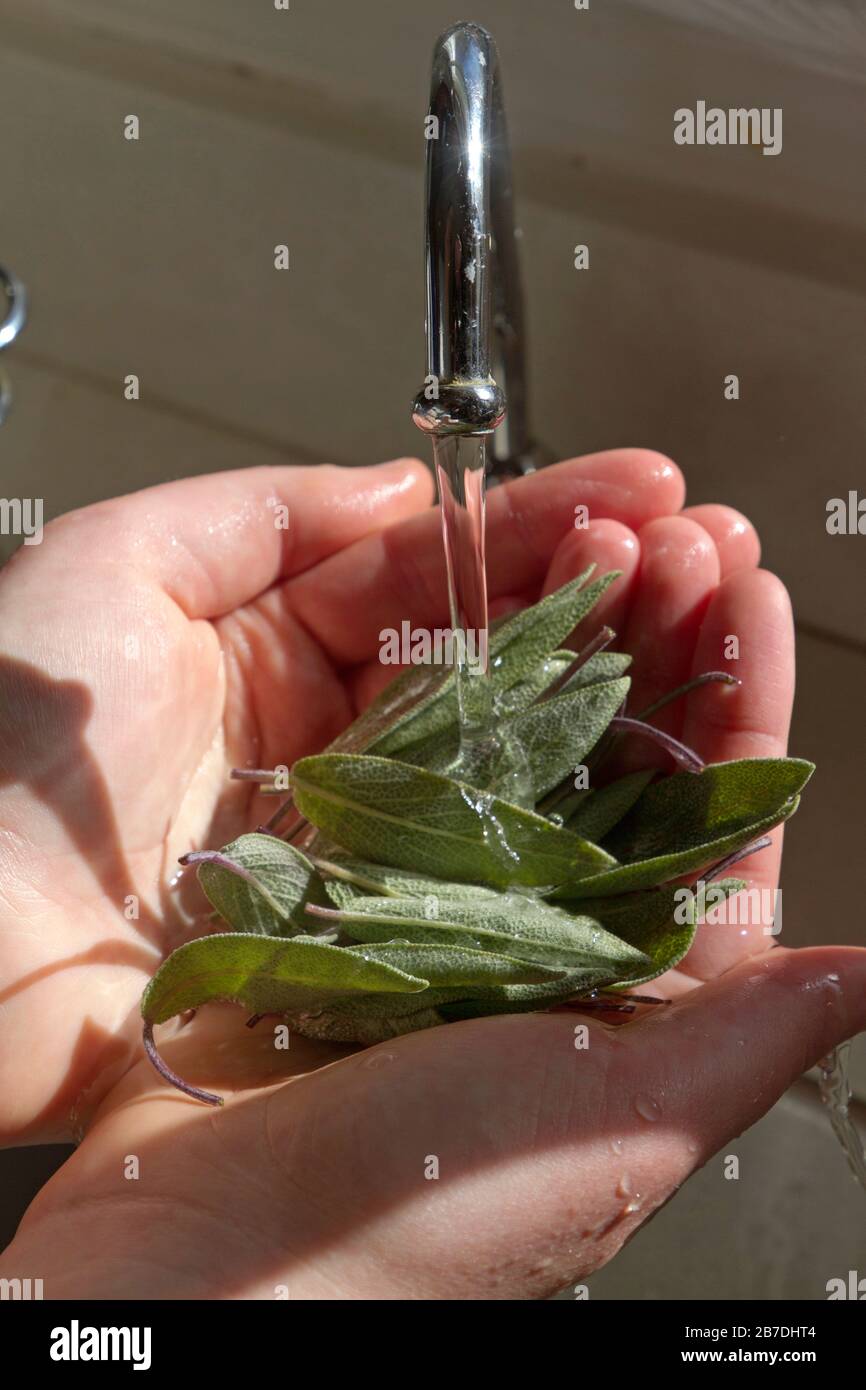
pixel 603 666
pixel 439 751
pixel 514 651
pixel 445 965
pixel 513 924
pixel 526 637
pixel 512 999
pixel 412 691
pixel 557 734
pixel 604 808
pixel 374 1018
pixel 359 877
pixel 661 924
pixel 267 975
pixel 525 692
pixel 686 821
pixel 413 819
pixel 259 884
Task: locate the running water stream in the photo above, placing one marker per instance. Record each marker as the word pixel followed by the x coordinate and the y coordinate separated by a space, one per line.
pixel 460 466
pixel 486 758
pixel 836 1095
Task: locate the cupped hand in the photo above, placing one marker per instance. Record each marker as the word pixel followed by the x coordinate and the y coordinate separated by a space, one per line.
pixel 155 641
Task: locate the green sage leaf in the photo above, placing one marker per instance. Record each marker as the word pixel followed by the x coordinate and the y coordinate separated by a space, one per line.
pixel 260 884
pixel 689 820
pixel 603 666
pixel 510 923
pixel 411 692
pixel 557 734
pixel 266 975
pixel 527 637
pixel 416 820
pixel 516 648
pixel 348 879
pixel 446 965
pixel 659 922
pixel 596 816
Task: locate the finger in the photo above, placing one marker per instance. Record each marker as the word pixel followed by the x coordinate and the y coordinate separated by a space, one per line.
pixel 504 606
pixel 748 630
pixel 681 1085
pixel 735 537
pixel 367 681
pixel 618 1124
pixel 609 545
pixel 679 572
pixel 216 542
pixel 401 574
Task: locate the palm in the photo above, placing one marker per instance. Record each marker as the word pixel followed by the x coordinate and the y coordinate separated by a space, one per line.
pixel 240 657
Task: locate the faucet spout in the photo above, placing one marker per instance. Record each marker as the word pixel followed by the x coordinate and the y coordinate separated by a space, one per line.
pixel 475 335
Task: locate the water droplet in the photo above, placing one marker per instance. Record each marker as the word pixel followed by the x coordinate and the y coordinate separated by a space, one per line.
pixel 624 1188
pixel 377 1060
pixel 616 1146
pixel 648 1108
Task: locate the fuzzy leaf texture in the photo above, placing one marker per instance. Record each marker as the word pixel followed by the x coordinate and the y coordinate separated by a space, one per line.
pixel 525 928
pixel 266 975
pixel 413 819
pixel 426 703
pixel 262 885
pixel 689 820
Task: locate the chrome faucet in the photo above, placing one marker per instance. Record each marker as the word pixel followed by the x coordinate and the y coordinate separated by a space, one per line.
pixel 475 333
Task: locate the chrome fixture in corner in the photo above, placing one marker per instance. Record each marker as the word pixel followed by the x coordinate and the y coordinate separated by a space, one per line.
pixel 10 326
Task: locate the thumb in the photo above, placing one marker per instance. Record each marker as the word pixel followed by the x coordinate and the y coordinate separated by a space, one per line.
pixel 725 1053
pixel 685 1081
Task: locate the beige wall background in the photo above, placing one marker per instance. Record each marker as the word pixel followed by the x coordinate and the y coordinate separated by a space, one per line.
pixel 303 127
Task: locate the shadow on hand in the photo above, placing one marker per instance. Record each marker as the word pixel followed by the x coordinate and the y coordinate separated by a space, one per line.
pixel 43 748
